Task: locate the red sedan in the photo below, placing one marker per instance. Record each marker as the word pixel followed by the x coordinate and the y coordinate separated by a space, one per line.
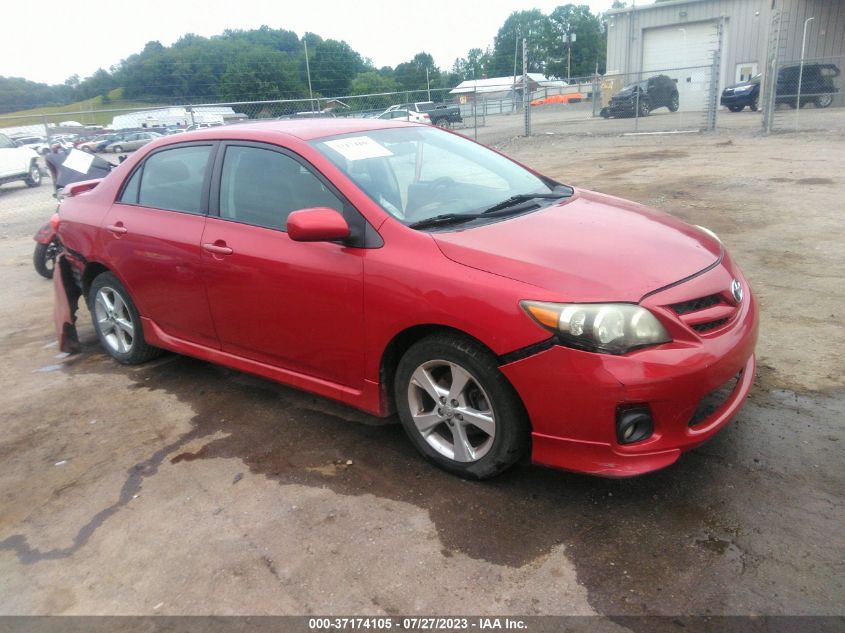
pixel 398 267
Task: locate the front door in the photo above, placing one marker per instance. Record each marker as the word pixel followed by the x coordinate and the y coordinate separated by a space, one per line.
pixel 289 304
pixel 152 236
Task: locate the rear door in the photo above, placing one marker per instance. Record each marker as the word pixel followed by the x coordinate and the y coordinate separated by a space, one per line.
pixel 289 304
pixel 9 157
pixel 151 239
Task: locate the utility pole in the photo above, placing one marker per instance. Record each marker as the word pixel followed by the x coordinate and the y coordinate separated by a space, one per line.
pixel 308 72
pixel 515 44
pixel 570 37
pixel 427 83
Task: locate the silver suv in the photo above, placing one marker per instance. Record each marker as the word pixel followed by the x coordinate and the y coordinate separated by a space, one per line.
pixel 18 163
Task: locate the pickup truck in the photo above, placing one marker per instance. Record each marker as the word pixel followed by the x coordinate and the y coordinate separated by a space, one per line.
pixel 18 163
pixel 441 115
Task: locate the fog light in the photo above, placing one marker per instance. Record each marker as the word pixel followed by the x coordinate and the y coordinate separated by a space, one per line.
pixel 633 424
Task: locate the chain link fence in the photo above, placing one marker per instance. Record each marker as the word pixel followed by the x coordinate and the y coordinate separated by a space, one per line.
pixel 807 95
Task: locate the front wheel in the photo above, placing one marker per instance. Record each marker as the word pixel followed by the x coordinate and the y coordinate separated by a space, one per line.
pixel 735 108
pixel 33 179
pixel 644 108
pixel 117 321
pixel 458 409
pixel 117 149
pixel 674 103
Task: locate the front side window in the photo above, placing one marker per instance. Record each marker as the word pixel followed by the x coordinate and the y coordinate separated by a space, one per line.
pixel 5 142
pixel 263 187
pixel 417 173
pixel 171 179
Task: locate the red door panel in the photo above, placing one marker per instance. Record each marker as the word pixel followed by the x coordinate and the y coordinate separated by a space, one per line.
pixel 296 305
pixel 157 254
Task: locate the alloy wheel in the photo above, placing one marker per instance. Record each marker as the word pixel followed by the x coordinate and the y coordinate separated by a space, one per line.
pixel 451 411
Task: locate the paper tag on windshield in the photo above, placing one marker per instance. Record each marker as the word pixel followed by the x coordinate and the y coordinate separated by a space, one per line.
pixel 358 148
pixel 78 160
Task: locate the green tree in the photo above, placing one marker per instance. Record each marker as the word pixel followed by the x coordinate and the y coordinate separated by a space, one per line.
pixel 412 75
pixel 589 49
pixel 260 74
pixel 531 25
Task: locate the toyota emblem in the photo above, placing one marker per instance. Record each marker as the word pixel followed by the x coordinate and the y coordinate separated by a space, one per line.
pixel 736 290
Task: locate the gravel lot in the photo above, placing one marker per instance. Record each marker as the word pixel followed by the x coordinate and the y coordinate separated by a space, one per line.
pixel 180 487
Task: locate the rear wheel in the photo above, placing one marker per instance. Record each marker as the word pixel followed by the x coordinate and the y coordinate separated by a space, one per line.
pixel 823 101
pixel 753 105
pixel 117 321
pixel 458 409
pixel 444 122
pixel 117 149
pixel 735 108
pixel 644 107
pixel 33 179
pixel 44 259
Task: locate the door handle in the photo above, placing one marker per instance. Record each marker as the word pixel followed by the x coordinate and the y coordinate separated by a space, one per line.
pixel 118 228
pixel 218 249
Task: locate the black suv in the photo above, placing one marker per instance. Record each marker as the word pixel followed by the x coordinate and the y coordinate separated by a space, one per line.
pixel 655 92
pixel 816 84
pixel 746 93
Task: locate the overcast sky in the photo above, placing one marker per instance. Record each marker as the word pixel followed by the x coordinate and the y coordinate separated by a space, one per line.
pixel 49 41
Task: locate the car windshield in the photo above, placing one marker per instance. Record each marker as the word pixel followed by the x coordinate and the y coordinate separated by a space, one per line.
pixel 417 173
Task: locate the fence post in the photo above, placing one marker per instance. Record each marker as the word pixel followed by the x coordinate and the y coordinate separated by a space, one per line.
pixel 46 131
pixel 475 111
pixel 525 88
pixel 771 77
pixel 715 70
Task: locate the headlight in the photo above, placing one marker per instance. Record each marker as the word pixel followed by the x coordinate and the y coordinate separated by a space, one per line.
pixel 612 328
pixel 743 89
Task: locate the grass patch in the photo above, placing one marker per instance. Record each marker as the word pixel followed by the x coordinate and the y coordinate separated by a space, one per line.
pixel 57 114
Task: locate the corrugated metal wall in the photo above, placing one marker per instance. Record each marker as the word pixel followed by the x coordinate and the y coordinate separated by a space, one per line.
pixel 746 29
pixel 825 34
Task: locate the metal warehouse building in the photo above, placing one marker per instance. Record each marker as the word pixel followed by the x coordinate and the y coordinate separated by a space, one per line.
pixel 684 33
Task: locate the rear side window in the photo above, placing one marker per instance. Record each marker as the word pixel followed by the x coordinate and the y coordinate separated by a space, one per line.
pixel 171 179
pixel 263 187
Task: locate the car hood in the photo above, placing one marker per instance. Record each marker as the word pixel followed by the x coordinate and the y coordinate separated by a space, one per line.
pixel 590 247
pixel 740 85
pixel 623 94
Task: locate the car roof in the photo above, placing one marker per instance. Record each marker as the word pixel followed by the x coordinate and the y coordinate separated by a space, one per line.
pixel 303 129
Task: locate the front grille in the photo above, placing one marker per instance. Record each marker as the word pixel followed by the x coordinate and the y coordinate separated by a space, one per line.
pixel 709 325
pixel 695 305
pixel 713 400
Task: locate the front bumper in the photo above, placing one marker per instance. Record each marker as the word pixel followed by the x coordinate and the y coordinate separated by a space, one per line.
pixel 736 99
pixel 572 397
pixel 622 108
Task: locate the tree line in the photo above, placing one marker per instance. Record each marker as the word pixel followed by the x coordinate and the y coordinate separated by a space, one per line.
pixel 266 63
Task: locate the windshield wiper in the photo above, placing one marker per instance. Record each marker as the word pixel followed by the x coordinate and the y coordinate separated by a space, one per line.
pixel 524 197
pixel 511 206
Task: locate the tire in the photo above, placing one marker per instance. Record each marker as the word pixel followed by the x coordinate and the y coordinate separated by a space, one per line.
pixel 443 123
pixel 125 344
pixel 753 105
pixel 823 101
pixel 117 149
pixel 33 179
pixel 44 259
pixel 674 103
pixel 645 108
pixel 605 113
pixel 449 439
pixel 736 108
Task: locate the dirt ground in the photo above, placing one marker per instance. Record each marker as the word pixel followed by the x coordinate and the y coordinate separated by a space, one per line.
pixel 180 487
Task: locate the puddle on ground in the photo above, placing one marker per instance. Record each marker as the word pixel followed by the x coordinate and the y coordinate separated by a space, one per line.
pixel 634 542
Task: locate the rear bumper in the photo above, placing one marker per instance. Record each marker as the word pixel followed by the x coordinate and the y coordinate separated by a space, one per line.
pixel 572 398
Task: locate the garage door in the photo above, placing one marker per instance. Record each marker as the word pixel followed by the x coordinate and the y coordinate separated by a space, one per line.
pixel 686 49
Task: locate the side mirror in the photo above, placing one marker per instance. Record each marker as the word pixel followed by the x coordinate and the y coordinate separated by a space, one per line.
pixel 319 224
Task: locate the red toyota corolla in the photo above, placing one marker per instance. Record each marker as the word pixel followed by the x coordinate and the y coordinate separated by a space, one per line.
pixel 398 267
